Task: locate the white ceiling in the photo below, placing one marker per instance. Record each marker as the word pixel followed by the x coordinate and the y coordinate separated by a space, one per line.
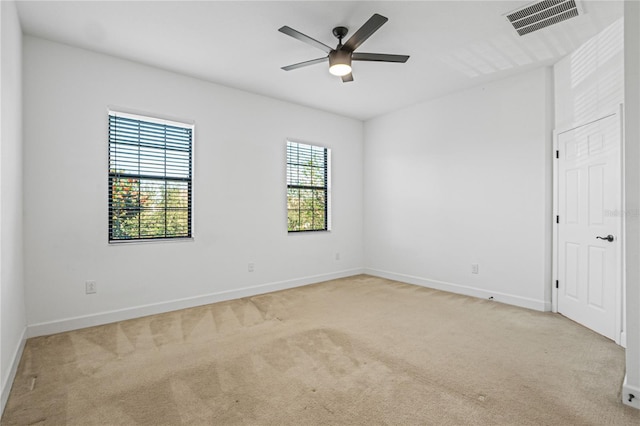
pixel 453 44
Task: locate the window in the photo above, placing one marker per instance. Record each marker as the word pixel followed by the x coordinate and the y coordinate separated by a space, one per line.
pixel 307 187
pixel 149 178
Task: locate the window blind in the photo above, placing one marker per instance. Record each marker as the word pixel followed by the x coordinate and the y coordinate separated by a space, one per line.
pixel 307 187
pixel 150 179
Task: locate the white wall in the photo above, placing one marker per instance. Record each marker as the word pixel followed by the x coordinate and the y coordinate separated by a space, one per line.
pixel 239 193
pixel 12 303
pixel 632 199
pixel 465 179
pixel 589 83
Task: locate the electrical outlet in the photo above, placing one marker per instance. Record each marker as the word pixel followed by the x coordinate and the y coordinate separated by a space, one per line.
pixel 337 256
pixel 90 287
pixel 250 267
pixel 474 268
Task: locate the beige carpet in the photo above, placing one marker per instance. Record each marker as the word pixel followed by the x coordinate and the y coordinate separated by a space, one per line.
pixel 355 351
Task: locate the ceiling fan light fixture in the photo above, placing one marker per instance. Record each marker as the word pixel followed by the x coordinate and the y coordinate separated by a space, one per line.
pixel 340 62
pixel 340 69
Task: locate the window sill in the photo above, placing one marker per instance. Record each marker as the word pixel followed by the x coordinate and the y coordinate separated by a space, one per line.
pixel 150 241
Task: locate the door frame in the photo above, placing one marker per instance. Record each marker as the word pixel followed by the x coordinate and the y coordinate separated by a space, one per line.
pixel 620 335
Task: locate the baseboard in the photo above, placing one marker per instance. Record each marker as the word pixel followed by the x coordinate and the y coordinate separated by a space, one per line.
pixel 627 393
pixel 15 361
pixel 538 305
pixel 75 323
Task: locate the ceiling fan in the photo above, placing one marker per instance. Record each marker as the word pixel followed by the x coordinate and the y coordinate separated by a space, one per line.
pixel 340 58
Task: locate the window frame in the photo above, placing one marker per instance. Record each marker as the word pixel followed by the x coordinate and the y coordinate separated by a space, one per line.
pixel 326 188
pixel 155 121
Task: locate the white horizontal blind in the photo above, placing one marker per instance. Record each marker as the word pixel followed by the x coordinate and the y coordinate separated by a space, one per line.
pixel 150 179
pixel 307 187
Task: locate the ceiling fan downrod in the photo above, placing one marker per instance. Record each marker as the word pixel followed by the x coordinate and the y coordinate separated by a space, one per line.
pixel 340 33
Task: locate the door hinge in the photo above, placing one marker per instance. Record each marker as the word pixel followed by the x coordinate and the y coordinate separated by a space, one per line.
pixel 557 154
pixel 556 283
pixel 557 219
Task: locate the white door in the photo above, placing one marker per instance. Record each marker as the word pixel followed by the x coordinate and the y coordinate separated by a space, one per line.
pixel 589 225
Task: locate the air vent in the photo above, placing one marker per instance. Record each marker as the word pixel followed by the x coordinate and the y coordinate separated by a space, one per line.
pixel 543 14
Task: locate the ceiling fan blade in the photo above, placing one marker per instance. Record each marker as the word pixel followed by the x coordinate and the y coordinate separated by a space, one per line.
pixel 365 31
pixel 304 38
pixel 305 63
pixel 378 57
pixel 347 78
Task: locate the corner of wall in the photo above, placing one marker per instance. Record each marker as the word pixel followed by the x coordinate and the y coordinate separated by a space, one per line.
pixel 7 381
pixel 548 185
pixel 12 294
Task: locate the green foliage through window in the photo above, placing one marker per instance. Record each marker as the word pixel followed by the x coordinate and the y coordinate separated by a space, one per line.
pixel 149 179
pixel 307 187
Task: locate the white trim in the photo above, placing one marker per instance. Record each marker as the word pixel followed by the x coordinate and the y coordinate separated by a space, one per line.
pixel 75 323
pixel 622 296
pixel 523 302
pixel 145 241
pixel 7 383
pixel 554 244
pixel 329 173
pixel 621 338
pixel 628 390
pixel 149 116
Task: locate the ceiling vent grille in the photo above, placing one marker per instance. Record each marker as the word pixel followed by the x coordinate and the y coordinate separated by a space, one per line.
pixel 543 14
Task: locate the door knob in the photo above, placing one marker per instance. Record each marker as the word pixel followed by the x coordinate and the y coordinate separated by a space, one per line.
pixel 608 238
